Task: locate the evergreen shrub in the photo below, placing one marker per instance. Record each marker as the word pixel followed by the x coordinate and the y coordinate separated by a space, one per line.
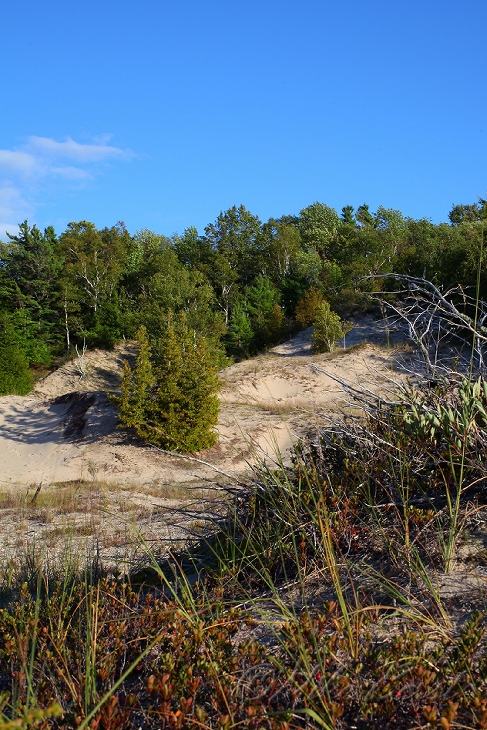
pixel 174 403
pixel 15 377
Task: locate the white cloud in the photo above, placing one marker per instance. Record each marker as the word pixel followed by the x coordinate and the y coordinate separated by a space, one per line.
pixel 74 151
pixel 31 170
pixel 40 157
pixel 17 161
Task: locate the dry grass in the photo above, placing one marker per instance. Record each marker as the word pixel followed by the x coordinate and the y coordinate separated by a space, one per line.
pixel 282 407
pixel 61 498
pixel 103 517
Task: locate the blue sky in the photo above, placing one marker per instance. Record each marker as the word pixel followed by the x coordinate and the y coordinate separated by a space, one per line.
pixel 162 114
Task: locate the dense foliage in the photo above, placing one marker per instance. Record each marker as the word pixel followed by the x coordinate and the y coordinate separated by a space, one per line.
pixel 172 404
pixel 242 284
pixel 234 290
pixel 14 367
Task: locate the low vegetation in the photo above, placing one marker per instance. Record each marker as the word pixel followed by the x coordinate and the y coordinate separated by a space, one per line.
pixel 335 593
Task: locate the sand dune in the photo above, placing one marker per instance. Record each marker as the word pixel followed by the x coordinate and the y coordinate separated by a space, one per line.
pixel 66 429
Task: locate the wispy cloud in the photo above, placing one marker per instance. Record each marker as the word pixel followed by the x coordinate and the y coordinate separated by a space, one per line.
pixel 71 173
pixel 44 147
pixel 34 167
pixel 17 161
pixel 43 156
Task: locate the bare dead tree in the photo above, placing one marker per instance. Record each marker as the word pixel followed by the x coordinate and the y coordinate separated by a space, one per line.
pixel 80 363
pixel 450 331
pixel 436 319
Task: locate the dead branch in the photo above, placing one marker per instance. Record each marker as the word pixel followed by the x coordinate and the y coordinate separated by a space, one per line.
pixel 434 318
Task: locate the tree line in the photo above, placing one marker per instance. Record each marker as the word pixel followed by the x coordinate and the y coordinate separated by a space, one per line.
pixel 240 286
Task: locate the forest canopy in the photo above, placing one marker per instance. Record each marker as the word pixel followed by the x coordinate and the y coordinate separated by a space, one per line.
pixel 241 284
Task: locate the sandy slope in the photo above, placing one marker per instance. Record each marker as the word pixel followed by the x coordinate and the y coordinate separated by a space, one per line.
pixel 265 403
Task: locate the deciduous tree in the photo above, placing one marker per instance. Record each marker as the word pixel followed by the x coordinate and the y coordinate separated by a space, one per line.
pixel 328 328
pixel 307 306
pixel 236 234
pixel 318 224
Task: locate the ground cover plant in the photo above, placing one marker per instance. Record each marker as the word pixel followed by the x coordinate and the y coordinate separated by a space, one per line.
pixel 317 601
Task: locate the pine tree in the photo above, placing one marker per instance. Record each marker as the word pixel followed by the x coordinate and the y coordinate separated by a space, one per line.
pixel 136 384
pixel 266 314
pixel 174 404
pixel 15 377
pixel 240 332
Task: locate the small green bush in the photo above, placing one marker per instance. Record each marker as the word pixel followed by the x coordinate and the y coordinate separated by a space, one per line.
pixel 328 328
